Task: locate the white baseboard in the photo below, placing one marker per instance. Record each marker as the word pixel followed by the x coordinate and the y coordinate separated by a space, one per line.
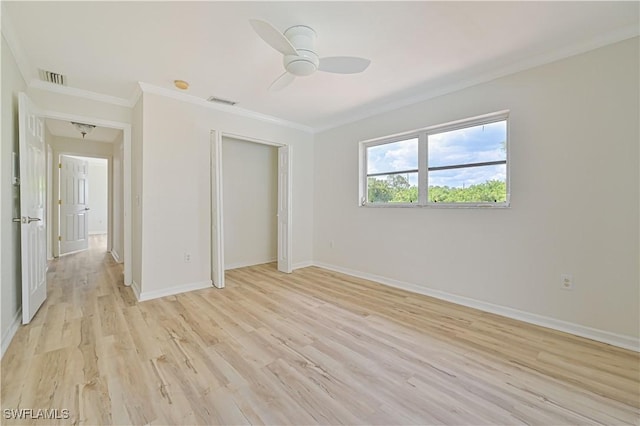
pixel 136 289
pixel 622 341
pixel 246 264
pixel 148 295
pixel 97 232
pixel 303 264
pixel 115 256
pixel 8 335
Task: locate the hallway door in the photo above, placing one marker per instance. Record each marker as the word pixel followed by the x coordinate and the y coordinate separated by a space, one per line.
pixel 33 232
pixel 74 208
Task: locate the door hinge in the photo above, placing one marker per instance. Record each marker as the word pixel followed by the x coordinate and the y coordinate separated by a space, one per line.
pixel 59 165
pixel 59 237
pixel 59 202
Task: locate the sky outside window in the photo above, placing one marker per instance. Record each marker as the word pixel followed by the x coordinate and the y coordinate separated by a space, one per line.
pixel 394 157
pixel 477 144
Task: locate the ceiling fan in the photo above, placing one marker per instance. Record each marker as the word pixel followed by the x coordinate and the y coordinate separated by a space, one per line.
pixel 297 44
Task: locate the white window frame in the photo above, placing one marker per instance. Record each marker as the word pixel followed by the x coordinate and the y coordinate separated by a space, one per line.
pixel 423 161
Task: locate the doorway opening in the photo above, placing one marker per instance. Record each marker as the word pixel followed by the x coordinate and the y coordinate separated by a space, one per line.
pixel 283 189
pixel 86 189
pixel 250 193
pixel 108 142
pixel 37 183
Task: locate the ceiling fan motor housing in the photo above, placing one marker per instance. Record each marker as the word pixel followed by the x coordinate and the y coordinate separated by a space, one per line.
pixel 306 62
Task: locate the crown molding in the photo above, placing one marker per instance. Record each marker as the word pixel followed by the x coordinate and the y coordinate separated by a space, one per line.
pixel 135 96
pixel 78 93
pixel 161 91
pixel 9 34
pixel 513 68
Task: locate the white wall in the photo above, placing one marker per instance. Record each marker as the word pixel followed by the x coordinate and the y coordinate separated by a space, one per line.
pixel 10 280
pixel 574 193
pixel 250 203
pixel 136 195
pixel 177 192
pixel 98 196
pixel 50 206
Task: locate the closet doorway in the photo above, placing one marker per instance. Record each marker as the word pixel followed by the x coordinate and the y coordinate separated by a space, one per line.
pixel 254 177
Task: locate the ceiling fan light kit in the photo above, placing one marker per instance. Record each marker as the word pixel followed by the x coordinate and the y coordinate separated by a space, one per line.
pixel 297 45
pixel 306 61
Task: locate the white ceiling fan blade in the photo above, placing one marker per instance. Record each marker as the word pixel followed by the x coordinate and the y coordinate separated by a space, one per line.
pixel 281 82
pixel 343 64
pixel 273 37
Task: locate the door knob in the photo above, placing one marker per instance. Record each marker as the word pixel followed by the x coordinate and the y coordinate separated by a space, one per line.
pixel 87 209
pixel 33 219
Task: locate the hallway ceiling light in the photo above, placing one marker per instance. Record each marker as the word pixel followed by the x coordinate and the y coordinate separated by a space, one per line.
pixel 83 128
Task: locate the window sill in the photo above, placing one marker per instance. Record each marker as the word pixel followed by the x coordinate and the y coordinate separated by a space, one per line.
pixel 506 205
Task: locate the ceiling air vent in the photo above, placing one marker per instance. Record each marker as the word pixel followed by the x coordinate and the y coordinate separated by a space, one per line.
pixel 53 77
pixel 221 101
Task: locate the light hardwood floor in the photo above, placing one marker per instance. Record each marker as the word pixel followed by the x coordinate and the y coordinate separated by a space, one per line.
pixel 307 348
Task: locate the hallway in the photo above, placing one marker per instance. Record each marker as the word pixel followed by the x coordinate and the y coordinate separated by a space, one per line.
pixel 49 359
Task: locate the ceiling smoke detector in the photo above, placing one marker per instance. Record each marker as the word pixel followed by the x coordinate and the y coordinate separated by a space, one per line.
pixel 181 84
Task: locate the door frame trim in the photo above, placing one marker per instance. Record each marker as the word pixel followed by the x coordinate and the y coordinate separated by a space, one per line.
pixel 218 240
pixel 126 130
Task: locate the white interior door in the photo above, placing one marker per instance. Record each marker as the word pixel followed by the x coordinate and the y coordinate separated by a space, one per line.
pixel 74 208
pixel 284 209
pixel 33 233
pixel 217 237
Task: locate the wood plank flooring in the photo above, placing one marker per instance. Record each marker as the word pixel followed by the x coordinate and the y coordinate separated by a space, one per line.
pixel 312 347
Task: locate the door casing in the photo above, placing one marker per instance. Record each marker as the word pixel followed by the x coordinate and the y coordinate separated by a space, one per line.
pixel 127 204
pixel 285 236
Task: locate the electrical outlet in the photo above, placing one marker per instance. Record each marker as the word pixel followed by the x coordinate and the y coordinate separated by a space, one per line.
pixel 187 257
pixel 566 281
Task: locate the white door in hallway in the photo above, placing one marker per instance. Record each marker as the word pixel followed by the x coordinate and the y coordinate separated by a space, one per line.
pixel 33 232
pixel 74 208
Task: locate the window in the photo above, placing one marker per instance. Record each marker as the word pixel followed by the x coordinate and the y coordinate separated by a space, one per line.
pixel 456 164
pixel 392 172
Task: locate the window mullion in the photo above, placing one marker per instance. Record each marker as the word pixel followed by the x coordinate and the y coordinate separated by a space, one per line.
pixel 423 158
pixel 363 197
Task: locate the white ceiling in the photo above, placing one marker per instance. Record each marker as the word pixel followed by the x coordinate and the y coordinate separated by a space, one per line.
pixel 66 129
pixel 418 49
